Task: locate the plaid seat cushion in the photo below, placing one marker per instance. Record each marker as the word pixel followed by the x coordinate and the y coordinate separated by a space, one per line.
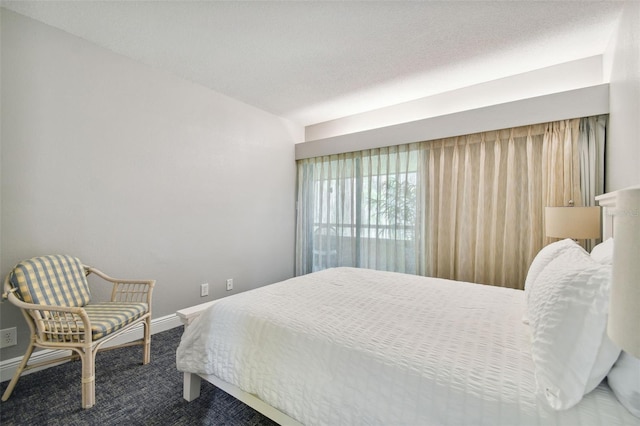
pixel 57 280
pixel 111 316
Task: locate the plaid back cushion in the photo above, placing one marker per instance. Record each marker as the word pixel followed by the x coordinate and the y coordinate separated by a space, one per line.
pixel 57 280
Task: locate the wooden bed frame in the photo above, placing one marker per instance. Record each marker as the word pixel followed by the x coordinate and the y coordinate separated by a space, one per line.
pixel 192 381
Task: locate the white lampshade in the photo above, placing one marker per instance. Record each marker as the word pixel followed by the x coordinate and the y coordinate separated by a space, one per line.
pixel 572 222
pixel 624 310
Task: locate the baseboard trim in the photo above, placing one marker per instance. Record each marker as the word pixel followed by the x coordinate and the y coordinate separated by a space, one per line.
pixel 8 367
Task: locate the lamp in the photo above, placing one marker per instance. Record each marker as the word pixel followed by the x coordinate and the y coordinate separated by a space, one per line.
pixel 579 223
pixel 624 309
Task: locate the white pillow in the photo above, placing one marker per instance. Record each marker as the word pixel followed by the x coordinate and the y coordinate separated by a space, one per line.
pixel 542 259
pixel 603 252
pixel 606 357
pixel 568 309
pixel 624 380
pixel 544 256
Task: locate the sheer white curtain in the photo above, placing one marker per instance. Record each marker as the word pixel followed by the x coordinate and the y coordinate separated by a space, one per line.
pixel 591 142
pixel 468 208
pixel 358 209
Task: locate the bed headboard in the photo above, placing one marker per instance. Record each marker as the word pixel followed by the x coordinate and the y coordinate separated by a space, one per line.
pixel 622 216
pixel 608 203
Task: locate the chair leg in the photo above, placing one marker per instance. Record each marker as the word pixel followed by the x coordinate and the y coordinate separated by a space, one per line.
pixel 146 357
pixel 19 370
pixel 88 379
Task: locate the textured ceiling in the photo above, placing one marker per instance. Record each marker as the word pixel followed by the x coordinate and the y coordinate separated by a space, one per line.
pixel 315 61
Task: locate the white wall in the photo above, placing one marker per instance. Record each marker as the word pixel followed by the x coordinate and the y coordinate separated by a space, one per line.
pixel 623 138
pixel 549 80
pixel 583 102
pixel 137 172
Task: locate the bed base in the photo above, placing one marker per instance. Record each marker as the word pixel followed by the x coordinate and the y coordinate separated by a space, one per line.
pixel 192 382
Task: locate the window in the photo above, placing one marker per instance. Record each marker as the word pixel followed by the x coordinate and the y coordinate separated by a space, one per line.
pixel 468 207
pixel 359 209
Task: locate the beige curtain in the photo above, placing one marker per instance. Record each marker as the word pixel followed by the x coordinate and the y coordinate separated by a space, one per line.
pixel 485 196
pixel 561 166
pixel 481 192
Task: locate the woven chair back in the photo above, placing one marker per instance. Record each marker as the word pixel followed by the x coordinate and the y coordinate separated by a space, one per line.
pixel 56 280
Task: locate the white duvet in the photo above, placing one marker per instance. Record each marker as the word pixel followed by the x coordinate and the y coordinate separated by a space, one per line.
pixel 351 346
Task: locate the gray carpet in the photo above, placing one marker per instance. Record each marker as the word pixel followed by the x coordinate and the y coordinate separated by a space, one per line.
pixel 126 393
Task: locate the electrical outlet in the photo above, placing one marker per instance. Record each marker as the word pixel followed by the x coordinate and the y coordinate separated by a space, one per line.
pixel 8 337
pixel 204 289
pixel 229 284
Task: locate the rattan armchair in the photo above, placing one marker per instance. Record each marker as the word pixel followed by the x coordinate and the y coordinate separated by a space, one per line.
pixel 53 294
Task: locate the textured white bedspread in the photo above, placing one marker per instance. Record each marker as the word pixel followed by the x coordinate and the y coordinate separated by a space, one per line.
pixel 352 346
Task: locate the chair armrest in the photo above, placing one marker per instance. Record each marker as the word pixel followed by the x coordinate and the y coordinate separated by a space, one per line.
pixel 61 324
pixel 126 290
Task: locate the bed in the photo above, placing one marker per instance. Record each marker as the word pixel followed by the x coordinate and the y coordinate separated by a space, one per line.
pixel 355 346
